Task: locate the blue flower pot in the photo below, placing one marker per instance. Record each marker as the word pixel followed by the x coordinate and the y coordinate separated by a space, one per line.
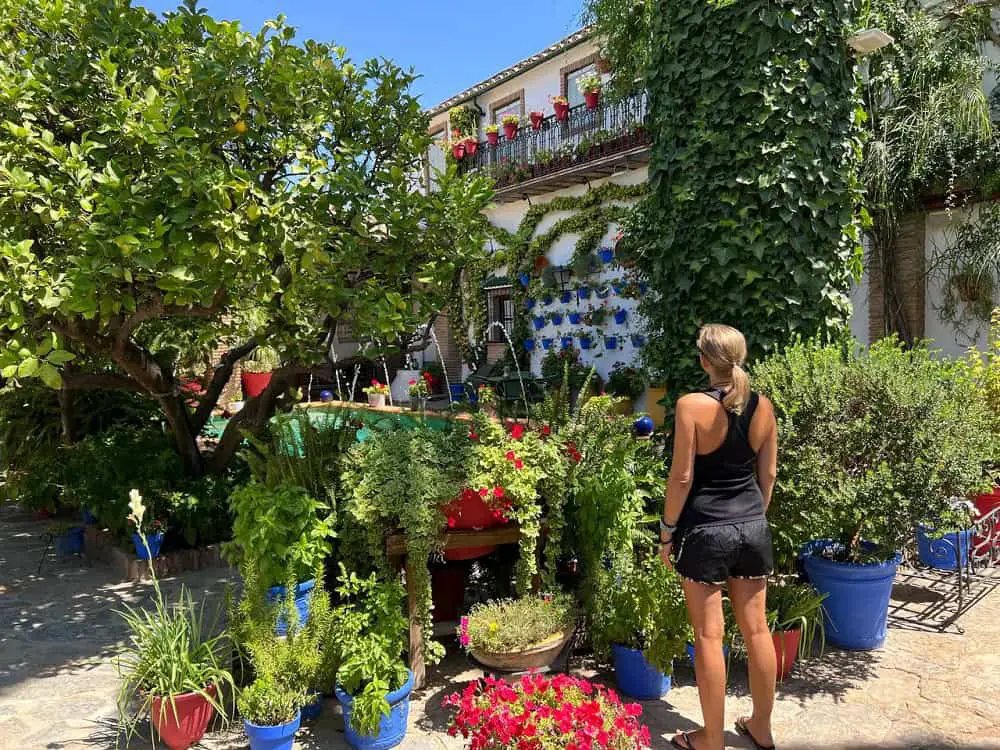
pixel 567 342
pixel 636 677
pixel 547 300
pixel 312 710
pixel 457 391
pixel 88 518
pixel 583 292
pixel 392 728
pixel 530 304
pixel 529 345
pixel 643 426
pixel 617 288
pixel 856 610
pixel 547 344
pixel 281 737
pixel 942 552
pixel 70 543
pixel 621 316
pixel 638 341
pixel 153 540
pixel 603 293
pixel 303 593
pixel 566 297
pixel 611 343
pixel 607 254
pixel 524 278
pixel 557 319
pixel 585 342
pixel 690 652
pixel 574 318
pixel 538 322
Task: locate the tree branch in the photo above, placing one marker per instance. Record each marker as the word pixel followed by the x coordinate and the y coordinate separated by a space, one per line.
pixel 99 381
pixel 157 309
pixel 223 372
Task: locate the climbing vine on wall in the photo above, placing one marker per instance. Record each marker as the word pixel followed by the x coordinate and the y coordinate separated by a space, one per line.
pixel 750 218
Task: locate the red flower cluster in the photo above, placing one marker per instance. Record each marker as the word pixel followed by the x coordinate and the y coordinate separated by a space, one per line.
pixel 574 454
pixel 538 712
pixel 494 500
pixel 518 463
pixel 517 431
pixel 546 430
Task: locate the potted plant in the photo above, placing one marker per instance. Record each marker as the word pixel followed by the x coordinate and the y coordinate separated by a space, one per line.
pixel 515 635
pixel 471 144
pixel 377 393
pixel 67 538
pixel 627 382
pixel 373 683
pixel 606 254
pixel 510 123
pixel 271 713
pixel 171 667
pixel 621 315
pixel 561 106
pixel 946 542
pixel 492 134
pixel 893 434
pixel 148 535
pixel 590 87
pixel 795 616
pixel 281 529
pixel 640 618
pixel 537 118
pixel 256 371
pixel 585 339
pixel 561 709
pixel 433 373
pixel 419 392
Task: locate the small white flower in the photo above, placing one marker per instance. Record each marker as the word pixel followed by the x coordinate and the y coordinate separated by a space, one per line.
pixel 137 508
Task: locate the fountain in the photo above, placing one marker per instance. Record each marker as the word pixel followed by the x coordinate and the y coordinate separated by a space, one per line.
pixel 513 354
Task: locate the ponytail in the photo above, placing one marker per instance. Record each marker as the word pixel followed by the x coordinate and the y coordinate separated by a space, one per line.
pixel 738 395
pixel 725 348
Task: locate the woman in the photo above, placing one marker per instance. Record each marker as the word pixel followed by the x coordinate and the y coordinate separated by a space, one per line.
pixel 724 468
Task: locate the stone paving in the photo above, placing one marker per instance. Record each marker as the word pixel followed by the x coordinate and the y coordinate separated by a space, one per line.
pixel 59 633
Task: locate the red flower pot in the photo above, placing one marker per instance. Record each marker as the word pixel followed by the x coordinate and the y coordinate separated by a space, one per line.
pixel 536 120
pixel 458 150
pixel 470 146
pixel 562 111
pixel 448 589
pixel 786 649
pixel 510 131
pixel 492 138
pixel 254 383
pixel 591 98
pixel 188 726
pixel 471 513
pixel 986 504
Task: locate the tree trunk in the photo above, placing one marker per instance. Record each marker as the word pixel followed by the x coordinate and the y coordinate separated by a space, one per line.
pixel 67 417
pixel 184 436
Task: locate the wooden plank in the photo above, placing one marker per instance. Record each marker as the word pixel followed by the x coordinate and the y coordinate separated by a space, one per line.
pixel 416 631
pixel 510 533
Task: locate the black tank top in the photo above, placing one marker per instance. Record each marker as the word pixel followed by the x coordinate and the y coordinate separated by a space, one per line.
pixel 724 488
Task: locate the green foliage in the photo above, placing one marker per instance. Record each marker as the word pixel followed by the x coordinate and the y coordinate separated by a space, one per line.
pixel 627 381
pixel 268 703
pixel 751 210
pixel 872 443
pixel 624 30
pixel 281 528
pixel 641 607
pixel 261 359
pixel 984 369
pixel 564 366
pixel 797 606
pixel 516 624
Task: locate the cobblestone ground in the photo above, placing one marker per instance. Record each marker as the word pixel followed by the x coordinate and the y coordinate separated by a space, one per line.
pixel 925 689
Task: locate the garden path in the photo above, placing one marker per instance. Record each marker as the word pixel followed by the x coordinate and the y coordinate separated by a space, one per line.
pixel 59 631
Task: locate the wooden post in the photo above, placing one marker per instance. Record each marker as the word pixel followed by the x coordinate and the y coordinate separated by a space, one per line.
pixel 416 630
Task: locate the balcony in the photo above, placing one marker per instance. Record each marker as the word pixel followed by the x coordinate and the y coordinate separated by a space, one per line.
pixel 590 144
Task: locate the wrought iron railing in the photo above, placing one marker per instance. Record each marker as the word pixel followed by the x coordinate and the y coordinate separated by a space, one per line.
pixel 586 134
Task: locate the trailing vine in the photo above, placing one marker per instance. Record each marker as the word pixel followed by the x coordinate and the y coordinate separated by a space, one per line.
pixel 751 214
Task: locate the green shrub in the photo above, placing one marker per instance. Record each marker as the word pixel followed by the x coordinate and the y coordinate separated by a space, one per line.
pixel 627 381
pixel 870 443
pixel 515 624
pixel 269 703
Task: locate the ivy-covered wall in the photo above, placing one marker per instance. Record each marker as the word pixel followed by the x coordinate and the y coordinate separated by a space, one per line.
pixel 751 214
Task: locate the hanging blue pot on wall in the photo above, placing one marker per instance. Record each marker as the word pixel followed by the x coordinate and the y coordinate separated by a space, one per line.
pixel 607 254
pixel 566 297
pixel 611 343
pixel 557 318
pixel 547 344
pixel 539 322
pixel 567 342
pixel 529 345
pixel 621 316
pixel 530 304
pixel 524 278
pixel 547 300
pixel 585 342
pixel 574 318
pixel 638 341
pixel 583 292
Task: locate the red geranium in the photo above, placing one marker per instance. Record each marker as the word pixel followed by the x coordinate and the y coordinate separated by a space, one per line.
pixel 517 431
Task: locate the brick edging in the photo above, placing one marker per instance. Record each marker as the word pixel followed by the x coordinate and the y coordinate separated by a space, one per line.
pixel 100 546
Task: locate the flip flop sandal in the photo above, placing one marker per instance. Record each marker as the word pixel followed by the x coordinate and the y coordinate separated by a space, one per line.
pixel 742 728
pixel 688 744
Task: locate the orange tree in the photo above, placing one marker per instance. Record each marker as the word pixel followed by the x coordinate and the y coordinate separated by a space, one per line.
pixel 170 182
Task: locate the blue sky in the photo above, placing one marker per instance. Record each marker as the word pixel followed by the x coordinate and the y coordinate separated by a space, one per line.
pixel 451 44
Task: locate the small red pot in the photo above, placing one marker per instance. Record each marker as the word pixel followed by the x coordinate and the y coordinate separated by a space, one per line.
pixel 254 383
pixel 470 146
pixel 562 111
pixel 509 131
pixel 188 726
pixel 471 514
pixel 458 150
pixel 536 120
pixel 492 138
pixel 786 649
pixel 591 98
pixel 985 504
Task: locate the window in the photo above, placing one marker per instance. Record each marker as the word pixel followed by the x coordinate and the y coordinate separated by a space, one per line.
pixel 512 105
pixel 499 309
pixel 572 79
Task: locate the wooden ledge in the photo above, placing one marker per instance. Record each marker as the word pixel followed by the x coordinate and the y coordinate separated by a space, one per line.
pixel 395 545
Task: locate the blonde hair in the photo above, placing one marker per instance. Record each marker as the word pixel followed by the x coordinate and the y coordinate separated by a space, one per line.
pixel 725 348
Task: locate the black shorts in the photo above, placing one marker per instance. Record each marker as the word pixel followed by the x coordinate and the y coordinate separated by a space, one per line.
pixel 716 552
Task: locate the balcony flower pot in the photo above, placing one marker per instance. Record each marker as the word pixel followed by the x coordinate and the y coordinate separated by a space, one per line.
pixel 562 111
pixel 856 610
pixel 557 319
pixel 539 322
pixel 547 344
pixel 376 400
pixel 471 144
pixel 391 729
pixel 592 98
pixel 469 512
pixel 585 342
pixel 492 137
pixel 70 542
pixel 635 676
pixel 535 656
pixel 529 345
pixel 943 551
pixel 154 541
pixel 583 292
pixel 254 383
pixel 536 120
pixel 567 342
pixel 786 650
pixel 280 737
pixel 182 722
pixel 611 343
pixel 574 318
pixel 458 150
pixel 566 297
pixel 607 254
pixel 621 316
pixel 303 594
pixel 510 130
pixel 312 710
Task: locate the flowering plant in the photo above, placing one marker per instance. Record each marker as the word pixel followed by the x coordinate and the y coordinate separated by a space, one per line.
pixel 492 128
pixel 627 381
pixel 379 389
pixel 542 713
pixel 503 627
pixel 486 396
pixel 138 515
pixel 418 387
pixel 589 83
pixel 559 100
pixel 510 119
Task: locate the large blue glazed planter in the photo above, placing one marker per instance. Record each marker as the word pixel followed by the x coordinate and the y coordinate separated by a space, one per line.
pixel 636 677
pixel 391 729
pixel 691 652
pixel 281 737
pixel 303 593
pixel 153 540
pixel 70 543
pixel 856 610
pixel 942 552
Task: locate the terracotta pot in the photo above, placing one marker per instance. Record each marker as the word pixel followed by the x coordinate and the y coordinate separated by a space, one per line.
pixel 188 726
pixel 470 146
pixel 492 138
pixel 510 131
pixel 536 120
pixel 786 649
pixel 254 383
pixel 592 98
pixel 562 111
pixel 471 513
pixel 534 657
pixel 458 150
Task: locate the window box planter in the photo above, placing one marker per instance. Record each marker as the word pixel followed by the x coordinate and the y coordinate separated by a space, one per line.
pixel 392 728
pixel 635 676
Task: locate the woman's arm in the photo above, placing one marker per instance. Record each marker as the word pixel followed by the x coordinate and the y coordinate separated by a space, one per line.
pixel 681 473
pixel 767 456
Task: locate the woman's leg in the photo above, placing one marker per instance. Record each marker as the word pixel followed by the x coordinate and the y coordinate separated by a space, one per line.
pixel 704 605
pixel 749 597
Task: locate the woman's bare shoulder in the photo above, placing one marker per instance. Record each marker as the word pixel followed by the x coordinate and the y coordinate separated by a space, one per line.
pixel 696 401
